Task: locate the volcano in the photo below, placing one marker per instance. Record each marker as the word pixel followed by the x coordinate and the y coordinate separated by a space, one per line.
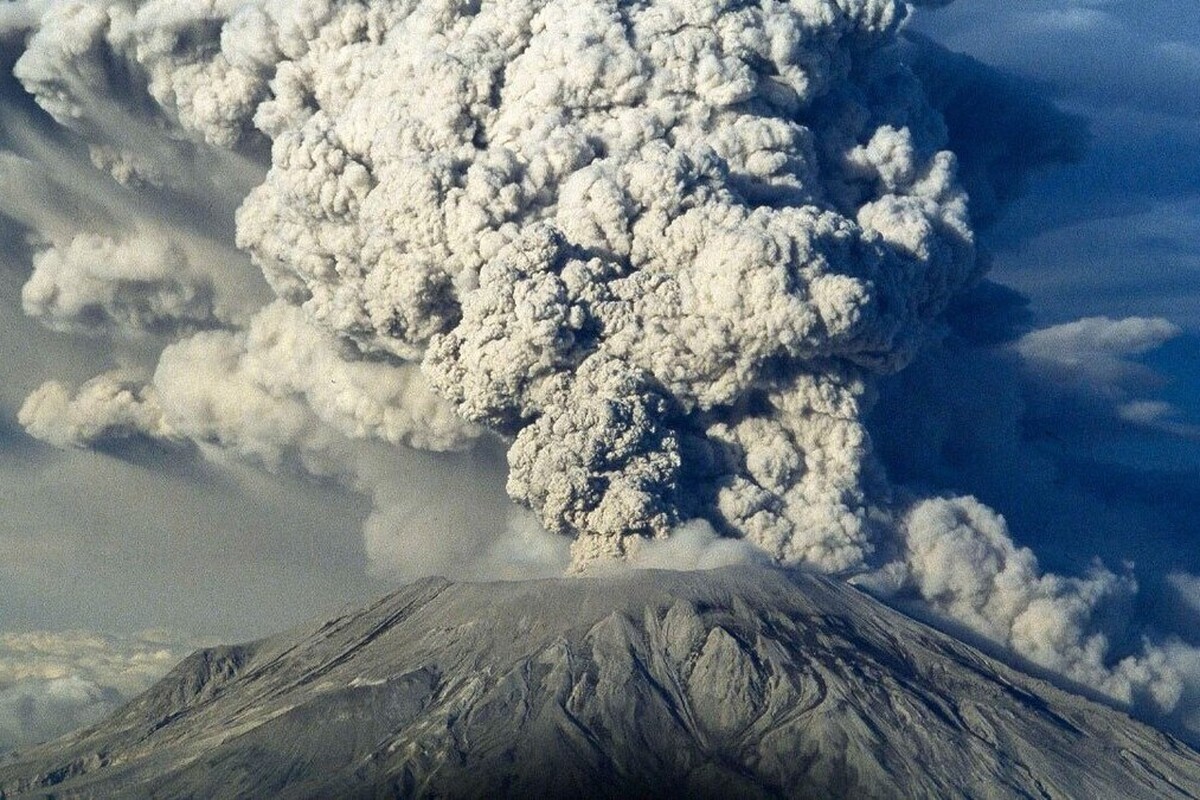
pixel 737 682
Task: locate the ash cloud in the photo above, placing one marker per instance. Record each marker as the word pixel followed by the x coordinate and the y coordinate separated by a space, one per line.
pixel 668 254
pixel 111 405
pixel 634 265
pixel 608 256
pixel 125 262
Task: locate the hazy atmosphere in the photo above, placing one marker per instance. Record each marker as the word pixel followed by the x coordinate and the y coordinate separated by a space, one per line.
pixel 304 300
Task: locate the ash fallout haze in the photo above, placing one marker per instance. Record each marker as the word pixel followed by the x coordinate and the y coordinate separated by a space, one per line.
pixel 305 299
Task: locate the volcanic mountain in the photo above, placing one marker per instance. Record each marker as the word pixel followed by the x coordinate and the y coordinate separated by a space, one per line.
pixel 738 682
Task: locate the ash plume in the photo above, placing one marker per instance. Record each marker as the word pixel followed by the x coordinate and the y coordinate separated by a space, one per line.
pixel 607 232
pixel 662 250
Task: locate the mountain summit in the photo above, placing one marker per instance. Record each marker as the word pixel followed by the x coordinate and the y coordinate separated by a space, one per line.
pixel 739 682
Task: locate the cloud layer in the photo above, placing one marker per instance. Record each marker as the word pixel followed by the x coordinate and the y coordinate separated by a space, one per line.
pixel 53 682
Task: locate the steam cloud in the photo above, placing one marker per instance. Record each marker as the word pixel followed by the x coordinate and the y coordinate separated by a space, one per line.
pixel 662 250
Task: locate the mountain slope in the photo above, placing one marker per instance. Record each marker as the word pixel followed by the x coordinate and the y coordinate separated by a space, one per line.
pixel 737 682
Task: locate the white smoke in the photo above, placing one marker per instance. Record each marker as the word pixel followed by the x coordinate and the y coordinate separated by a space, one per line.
pixel 661 250
pixel 111 405
pixel 694 545
pixel 114 260
pixel 961 560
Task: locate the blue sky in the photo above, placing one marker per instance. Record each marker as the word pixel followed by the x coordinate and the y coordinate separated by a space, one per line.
pixel 1117 235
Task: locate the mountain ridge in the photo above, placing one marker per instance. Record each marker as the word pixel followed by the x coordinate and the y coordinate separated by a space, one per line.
pixel 741 681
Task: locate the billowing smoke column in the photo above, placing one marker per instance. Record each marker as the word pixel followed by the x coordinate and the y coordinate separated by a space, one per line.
pixel 659 246
pixel 646 241
pixel 687 270
pixel 662 249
